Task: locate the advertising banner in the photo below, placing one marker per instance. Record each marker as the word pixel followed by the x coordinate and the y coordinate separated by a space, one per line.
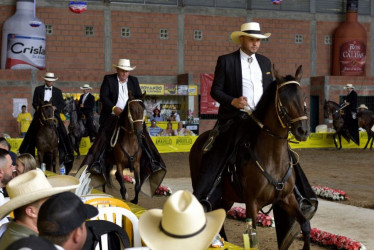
pixel 207 104
pixel 152 89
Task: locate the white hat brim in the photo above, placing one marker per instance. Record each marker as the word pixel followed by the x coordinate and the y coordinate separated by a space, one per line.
pixel 154 238
pixel 50 79
pixel 349 87
pixel 85 88
pixel 124 67
pixel 236 34
pixel 59 183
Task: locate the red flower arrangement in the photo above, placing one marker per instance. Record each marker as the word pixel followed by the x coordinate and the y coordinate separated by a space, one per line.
pixel 238 213
pixel 163 191
pixel 129 179
pixel 336 241
pixel 330 193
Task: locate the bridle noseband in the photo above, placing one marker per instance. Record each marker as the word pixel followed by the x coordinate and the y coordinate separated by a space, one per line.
pixel 281 110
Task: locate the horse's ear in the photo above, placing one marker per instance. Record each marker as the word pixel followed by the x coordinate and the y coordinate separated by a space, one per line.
pixel 143 95
pixel 278 78
pixel 131 97
pixel 299 73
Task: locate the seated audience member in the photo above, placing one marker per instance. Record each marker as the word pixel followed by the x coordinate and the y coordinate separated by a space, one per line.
pixel 5 145
pixel 156 115
pixel 27 192
pixel 169 130
pixel 181 224
pixel 154 130
pixel 32 243
pixel 174 116
pixel 6 174
pixel 181 131
pixel 25 163
pixel 62 220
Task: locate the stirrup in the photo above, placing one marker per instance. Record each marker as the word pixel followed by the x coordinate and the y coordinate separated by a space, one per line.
pixel 206 205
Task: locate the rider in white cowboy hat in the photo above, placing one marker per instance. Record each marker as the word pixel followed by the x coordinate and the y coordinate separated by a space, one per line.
pixel 362 107
pixel 27 192
pixel 349 86
pixel 87 106
pixel 350 109
pixel 181 224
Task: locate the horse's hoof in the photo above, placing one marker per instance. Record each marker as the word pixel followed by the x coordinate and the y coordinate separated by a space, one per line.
pixel 134 201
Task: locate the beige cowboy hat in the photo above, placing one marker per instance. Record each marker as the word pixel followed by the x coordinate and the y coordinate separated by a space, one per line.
pixel 349 86
pixel 363 106
pixel 86 86
pixel 49 76
pixel 251 29
pixel 124 64
pixel 32 186
pixel 182 224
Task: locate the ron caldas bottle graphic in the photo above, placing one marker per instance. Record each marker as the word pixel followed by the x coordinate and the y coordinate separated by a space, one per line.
pixel 250 239
pixel 350 45
pixel 24 39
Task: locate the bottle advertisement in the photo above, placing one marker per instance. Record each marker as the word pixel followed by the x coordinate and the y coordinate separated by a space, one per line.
pixel 25 52
pixel 352 58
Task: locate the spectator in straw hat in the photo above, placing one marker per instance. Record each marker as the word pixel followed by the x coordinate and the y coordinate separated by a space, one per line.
pixel 27 192
pixel 45 93
pixel 87 105
pixel 62 220
pixel 181 224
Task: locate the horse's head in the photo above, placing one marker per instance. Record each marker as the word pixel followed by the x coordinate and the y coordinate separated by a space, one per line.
pixel 136 113
pixel 46 114
pixel 290 105
pixel 68 105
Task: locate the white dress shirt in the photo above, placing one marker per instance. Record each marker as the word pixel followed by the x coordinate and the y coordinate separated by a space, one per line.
pixel 47 93
pixel 123 94
pixel 252 79
pixel 85 97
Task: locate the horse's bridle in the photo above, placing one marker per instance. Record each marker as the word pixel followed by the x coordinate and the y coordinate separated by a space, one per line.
pixel 131 120
pixel 44 118
pixel 281 110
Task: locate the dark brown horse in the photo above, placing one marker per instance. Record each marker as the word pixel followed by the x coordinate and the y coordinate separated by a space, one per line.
pixel 334 109
pixel 366 121
pixel 264 149
pixel 46 136
pixel 126 143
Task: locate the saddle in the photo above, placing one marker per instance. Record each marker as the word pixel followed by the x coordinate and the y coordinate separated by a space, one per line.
pixel 214 133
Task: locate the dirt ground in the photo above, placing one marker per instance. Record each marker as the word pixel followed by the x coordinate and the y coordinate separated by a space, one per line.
pixel 350 170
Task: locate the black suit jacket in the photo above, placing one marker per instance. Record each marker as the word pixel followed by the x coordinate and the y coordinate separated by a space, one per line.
pixel 227 83
pixel 88 105
pixel 352 99
pixel 109 93
pixel 57 99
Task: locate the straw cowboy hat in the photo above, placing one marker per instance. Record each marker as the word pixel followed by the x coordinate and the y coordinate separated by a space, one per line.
pixel 86 86
pixel 363 106
pixel 349 86
pixel 124 64
pixel 251 29
pixel 182 224
pixel 32 186
pixel 49 76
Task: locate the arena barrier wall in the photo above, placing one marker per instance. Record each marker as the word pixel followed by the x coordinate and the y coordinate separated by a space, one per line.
pixel 173 144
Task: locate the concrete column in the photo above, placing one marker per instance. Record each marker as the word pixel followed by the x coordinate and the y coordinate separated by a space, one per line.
pixel 107 39
pixel 181 41
pixel 326 93
pixel 313 48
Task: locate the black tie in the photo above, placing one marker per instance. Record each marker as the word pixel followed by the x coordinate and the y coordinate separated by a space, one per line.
pixel 48 88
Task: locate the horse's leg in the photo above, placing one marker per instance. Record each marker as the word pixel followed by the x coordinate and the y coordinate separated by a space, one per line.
pixel 291 207
pixel 54 162
pixel 372 140
pixel 41 158
pixel 340 141
pixel 369 137
pixel 137 181
pixel 334 138
pixel 77 147
pixel 119 177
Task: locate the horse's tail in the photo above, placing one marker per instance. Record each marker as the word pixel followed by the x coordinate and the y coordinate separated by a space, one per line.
pixel 195 157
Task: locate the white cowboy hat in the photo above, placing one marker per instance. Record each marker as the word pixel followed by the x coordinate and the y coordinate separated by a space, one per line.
pixel 251 29
pixel 124 64
pixel 49 76
pixel 86 86
pixel 349 86
pixel 182 224
pixel 32 186
pixel 363 106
